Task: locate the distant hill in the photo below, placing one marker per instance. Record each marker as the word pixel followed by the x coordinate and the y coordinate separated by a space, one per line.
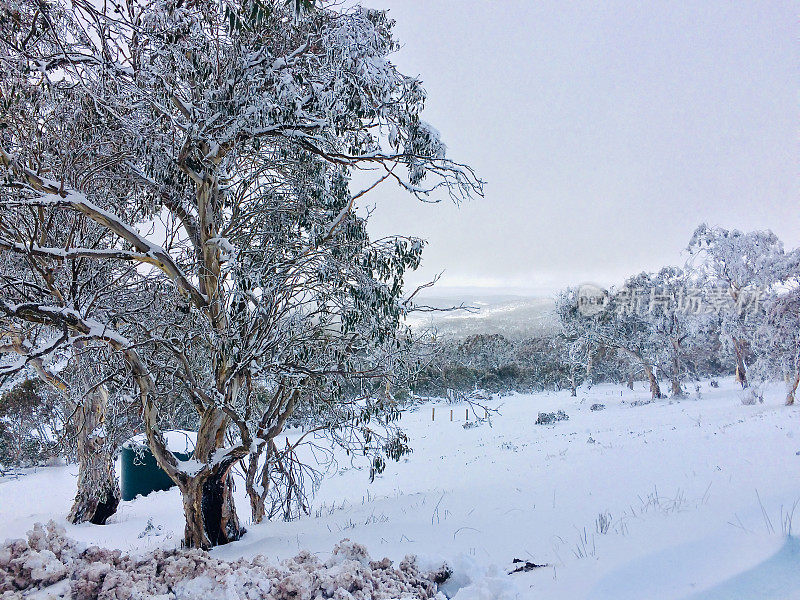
pixel 514 316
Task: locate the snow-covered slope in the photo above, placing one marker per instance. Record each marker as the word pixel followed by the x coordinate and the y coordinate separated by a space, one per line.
pixel 688 499
pixel 509 315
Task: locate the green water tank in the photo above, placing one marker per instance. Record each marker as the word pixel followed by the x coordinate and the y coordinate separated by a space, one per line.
pixel 140 472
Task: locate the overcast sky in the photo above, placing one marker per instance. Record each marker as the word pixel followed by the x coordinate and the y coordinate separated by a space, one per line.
pixel 606 133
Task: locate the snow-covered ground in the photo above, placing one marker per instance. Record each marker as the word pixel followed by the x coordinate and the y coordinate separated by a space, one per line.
pixel 687 499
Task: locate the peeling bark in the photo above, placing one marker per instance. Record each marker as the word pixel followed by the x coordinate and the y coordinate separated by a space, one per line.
pixel 257 493
pixel 655 390
pixel 793 389
pixel 677 392
pixel 209 509
pixel 98 489
pixel 741 374
pixel 219 510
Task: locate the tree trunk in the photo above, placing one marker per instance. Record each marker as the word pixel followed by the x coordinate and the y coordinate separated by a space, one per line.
pixel 793 389
pixel 219 510
pixel 98 490
pixel 573 387
pixel 257 480
pixel 210 510
pixel 208 496
pixel 98 493
pixel 655 390
pixel 194 535
pixel 257 488
pixel 741 374
pixel 257 508
pixel 677 392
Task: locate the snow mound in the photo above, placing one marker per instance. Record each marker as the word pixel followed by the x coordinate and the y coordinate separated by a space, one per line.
pixel 50 565
pixel 725 566
pixel 470 581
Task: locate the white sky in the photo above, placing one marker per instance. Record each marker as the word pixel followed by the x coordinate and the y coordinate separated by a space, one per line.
pixel 606 133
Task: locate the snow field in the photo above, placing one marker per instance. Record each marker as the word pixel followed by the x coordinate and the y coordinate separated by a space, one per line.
pixel 670 499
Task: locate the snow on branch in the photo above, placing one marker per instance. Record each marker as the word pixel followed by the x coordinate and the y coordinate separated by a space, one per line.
pixel 57 196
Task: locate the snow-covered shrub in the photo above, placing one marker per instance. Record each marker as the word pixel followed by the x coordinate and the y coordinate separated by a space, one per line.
pixel 150 530
pixel 29 425
pixel 641 402
pixel 553 417
pixel 49 558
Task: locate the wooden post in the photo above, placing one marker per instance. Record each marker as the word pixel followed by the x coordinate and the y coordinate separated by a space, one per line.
pixel 433 414
pixel 466 414
pixel 451 414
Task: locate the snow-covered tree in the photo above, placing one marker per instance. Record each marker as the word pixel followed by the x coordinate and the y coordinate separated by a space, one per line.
pixel 777 342
pixel 580 341
pixel 220 139
pixel 746 265
pixel 29 424
pixel 55 261
pixel 624 326
pixel 676 319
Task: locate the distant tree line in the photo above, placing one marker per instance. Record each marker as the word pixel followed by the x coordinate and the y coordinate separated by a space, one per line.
pixel 733 310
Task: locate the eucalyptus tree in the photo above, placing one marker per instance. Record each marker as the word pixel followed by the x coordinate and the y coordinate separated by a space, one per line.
pixel 231 131
pixel 617 321
pixel 678 321
pixel 624 326
pixel 746 265
pixel 778 341
pixel 580 342
pixel 55 265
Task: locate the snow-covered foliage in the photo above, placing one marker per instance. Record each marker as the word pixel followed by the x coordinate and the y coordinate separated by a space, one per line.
pixel 777 343
pixel 30 423
pixel 188 206
pixel 742 259
pixel 747 265
pixel 675 329
pixel 51 562
pixel 578 337
pixel 671 322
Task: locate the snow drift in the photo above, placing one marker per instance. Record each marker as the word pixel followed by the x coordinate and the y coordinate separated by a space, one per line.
pixel 50 565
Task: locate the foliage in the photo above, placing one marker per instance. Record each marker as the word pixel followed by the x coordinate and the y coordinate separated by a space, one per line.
pixel 195 217
pixel 30 423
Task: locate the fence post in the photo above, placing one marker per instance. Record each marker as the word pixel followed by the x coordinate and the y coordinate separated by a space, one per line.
pixel 433 413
